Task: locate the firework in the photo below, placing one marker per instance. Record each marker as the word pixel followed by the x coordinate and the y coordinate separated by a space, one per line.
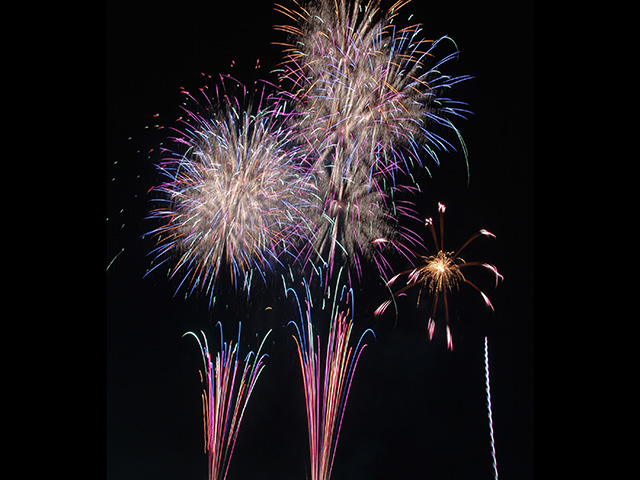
pixel 225 395
pixel 440 274
pixel 232 191
pixel 354 225
pixel 326 386
pixel 488 390
pixel 370 92
pixel 369 102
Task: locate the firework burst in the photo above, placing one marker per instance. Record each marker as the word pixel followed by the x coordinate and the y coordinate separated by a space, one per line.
pixel 232 193
pixel 370 93
pixel 369 103
pixel 225 395
pixel 327 385
pixel 440 274
pixel 354 224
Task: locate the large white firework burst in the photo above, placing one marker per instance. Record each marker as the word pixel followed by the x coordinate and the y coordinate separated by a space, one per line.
pixel 369 98
pixel 232 194
pixel 370 92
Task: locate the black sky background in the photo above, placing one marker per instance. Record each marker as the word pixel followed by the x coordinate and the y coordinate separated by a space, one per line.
pixel 415 409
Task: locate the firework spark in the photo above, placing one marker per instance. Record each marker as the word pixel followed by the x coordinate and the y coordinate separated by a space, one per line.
pixel 225 395
pixel 488 390
pixel 232 192
pixel 326 387
pixel 440 274
pixel 369 103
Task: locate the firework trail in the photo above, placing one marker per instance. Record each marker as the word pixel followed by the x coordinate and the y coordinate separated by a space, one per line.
pixel 486 371
pixel 225 396
pixel 232 192
pixel 326 386
pixel 440 274
pixel 369 102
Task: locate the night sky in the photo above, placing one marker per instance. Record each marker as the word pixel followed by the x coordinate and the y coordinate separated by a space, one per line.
pixel 415 409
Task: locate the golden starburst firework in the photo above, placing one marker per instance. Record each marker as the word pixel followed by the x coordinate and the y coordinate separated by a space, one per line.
pixel 440 274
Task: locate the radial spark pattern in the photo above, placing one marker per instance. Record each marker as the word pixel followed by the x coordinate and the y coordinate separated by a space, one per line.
pixel 369 102
pixel 440 274
pixel 232 194
pixel 371 94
